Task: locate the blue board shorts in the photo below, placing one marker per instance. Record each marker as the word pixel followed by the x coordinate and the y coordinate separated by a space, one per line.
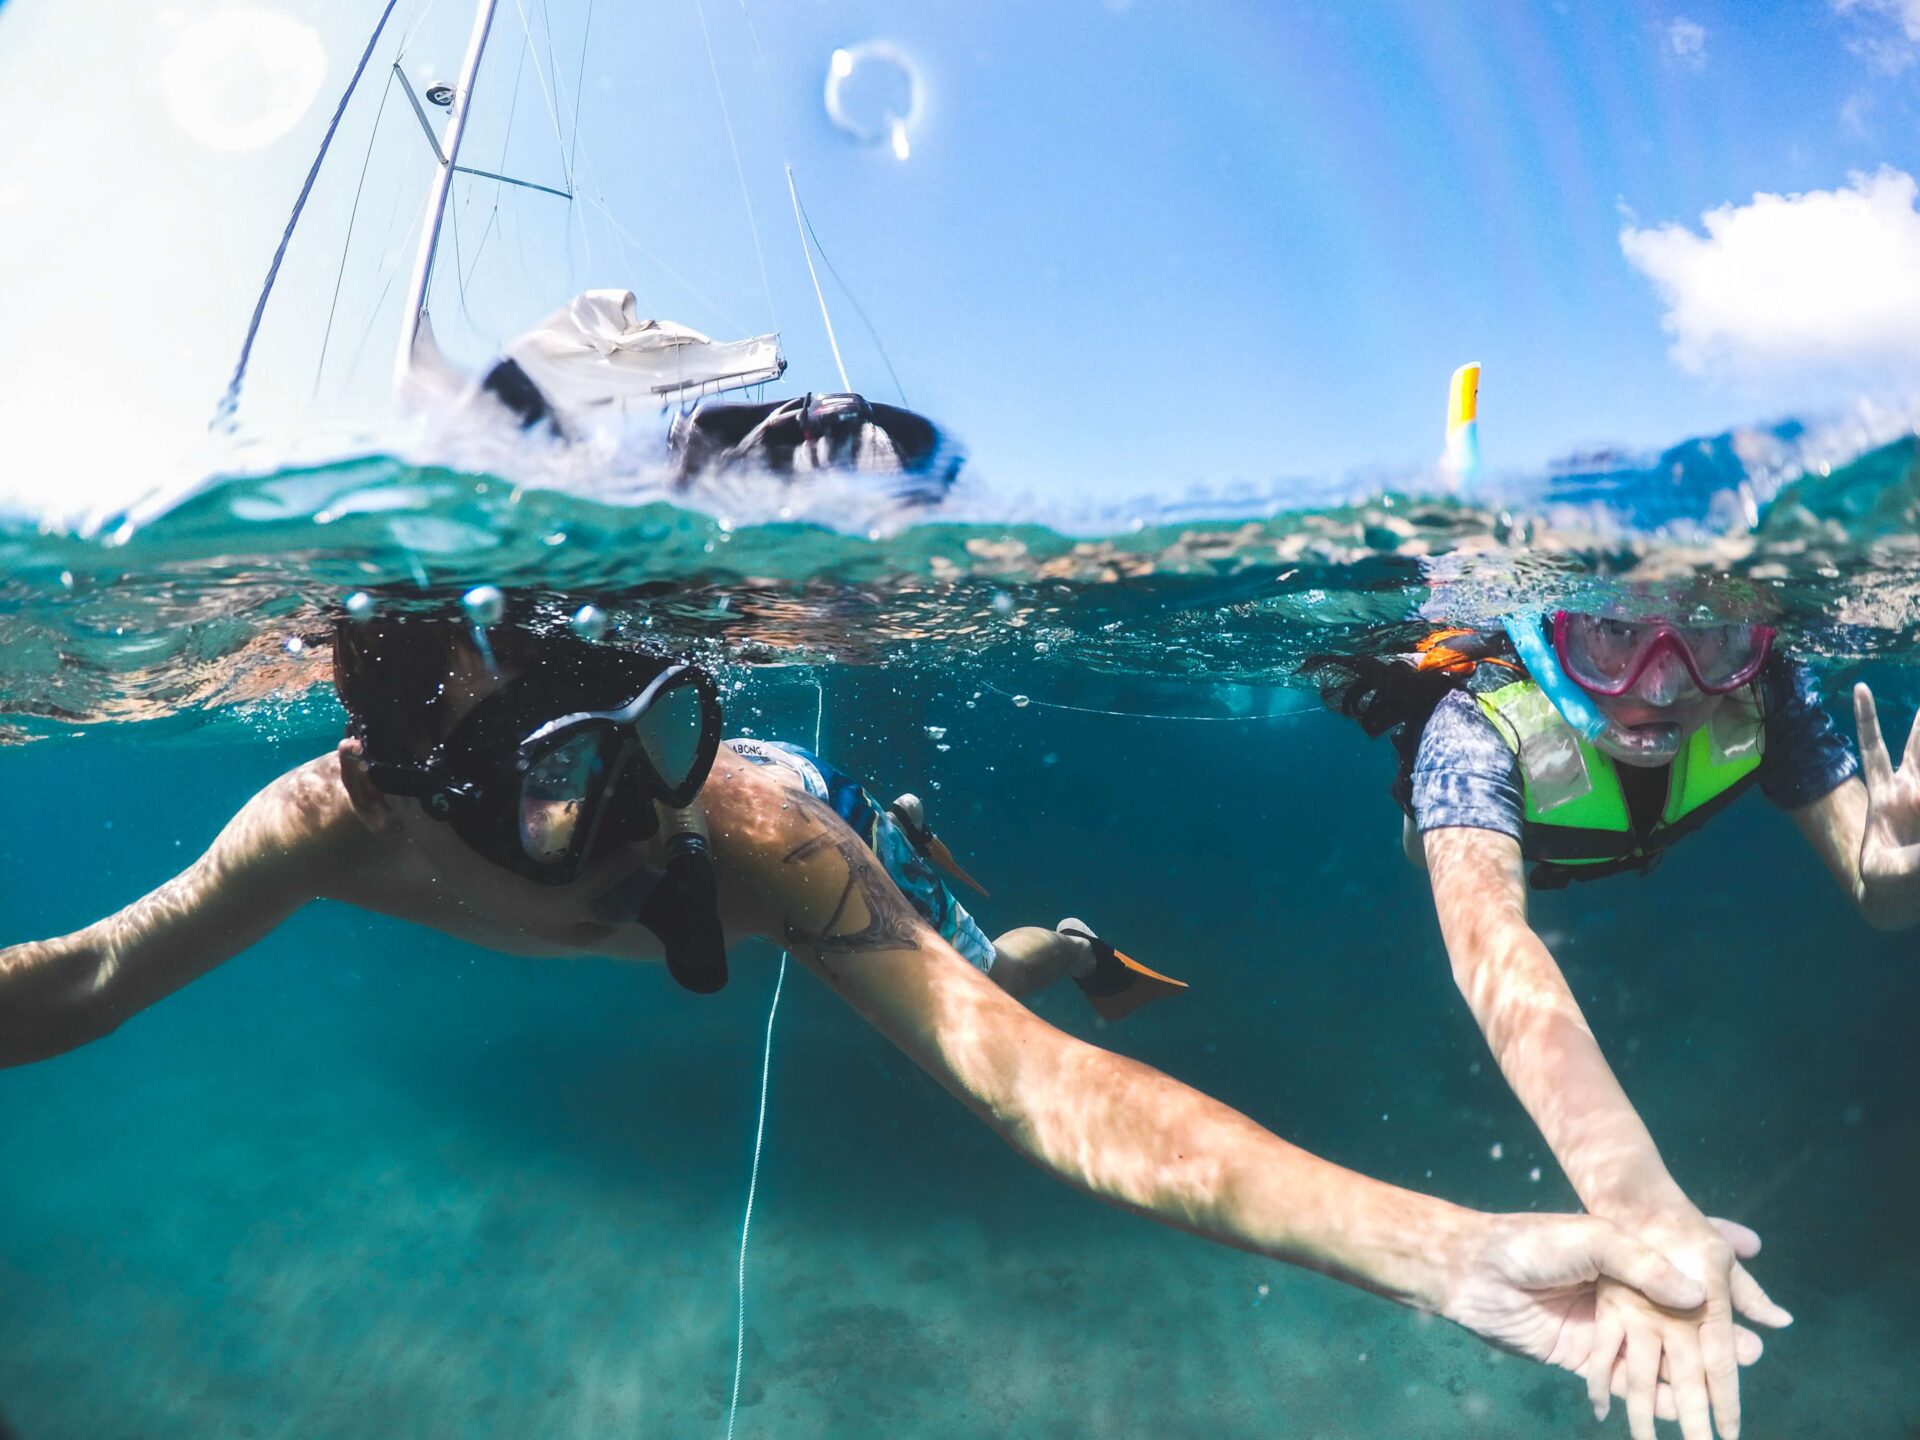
pixel 916 876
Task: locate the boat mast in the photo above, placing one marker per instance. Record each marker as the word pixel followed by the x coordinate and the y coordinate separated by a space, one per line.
pixel 446 163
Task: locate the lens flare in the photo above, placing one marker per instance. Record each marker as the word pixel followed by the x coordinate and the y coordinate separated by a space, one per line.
pixel 875 95
pixel 240 79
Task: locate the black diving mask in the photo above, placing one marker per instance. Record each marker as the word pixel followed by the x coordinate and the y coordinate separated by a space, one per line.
pixel 565 762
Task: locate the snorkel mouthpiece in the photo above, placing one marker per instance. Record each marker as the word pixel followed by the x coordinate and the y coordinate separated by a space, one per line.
pixel 1647 745
pixel 683 909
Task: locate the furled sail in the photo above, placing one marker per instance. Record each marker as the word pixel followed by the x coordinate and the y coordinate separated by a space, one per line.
pixel 597 351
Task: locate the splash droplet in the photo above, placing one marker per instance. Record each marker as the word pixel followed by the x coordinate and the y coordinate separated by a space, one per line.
pixel 589 622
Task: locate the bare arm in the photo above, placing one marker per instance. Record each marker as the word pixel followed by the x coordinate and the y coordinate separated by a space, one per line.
pixel 1834 825
pixel 1534 1025
pixel 1548 1053
pixel 270 859
pixel 1117 1129
pixel 1867 830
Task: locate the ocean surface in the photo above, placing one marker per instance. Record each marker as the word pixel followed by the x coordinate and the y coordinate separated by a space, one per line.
pixel 367 1180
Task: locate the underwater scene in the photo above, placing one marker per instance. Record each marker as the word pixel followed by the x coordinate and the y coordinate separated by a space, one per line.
pixel 1035 835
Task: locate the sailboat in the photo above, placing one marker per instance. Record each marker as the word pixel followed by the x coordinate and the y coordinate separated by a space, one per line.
pixel 597 356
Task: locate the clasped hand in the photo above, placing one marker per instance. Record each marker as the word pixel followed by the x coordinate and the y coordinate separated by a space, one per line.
pixel 1680 1363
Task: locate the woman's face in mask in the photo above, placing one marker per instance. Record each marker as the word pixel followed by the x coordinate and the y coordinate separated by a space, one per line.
pixel 1656 715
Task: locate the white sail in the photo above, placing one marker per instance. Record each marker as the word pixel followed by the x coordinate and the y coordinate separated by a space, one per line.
pixel 597 351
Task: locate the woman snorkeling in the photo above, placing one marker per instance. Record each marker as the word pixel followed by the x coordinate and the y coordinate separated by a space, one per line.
pixel 1573 746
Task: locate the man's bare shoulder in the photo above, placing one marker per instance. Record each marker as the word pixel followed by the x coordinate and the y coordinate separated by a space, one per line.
pixel 309 815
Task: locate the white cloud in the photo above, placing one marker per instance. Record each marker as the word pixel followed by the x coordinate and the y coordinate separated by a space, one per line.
pixel 1687 42
pixel 1830 278
pixel 1877 41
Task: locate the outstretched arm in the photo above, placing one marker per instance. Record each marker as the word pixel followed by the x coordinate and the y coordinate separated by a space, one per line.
pixel 270 859
pixel 1534 1026
pixel 1549 1056
pixel 1139 1139
pixel 1868 829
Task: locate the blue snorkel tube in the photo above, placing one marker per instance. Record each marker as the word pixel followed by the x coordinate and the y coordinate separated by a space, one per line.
pixel 1527 630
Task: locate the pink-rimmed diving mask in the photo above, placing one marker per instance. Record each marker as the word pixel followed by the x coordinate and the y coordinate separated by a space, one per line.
pixel 1607 657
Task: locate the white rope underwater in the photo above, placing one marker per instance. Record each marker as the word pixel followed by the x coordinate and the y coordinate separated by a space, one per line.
pixel 753 1184
pixel 1140 715
pixel 759 1134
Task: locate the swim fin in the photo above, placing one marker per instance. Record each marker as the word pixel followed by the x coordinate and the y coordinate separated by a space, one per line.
pixel 911 816
pixel 1119 984
pixel 937 852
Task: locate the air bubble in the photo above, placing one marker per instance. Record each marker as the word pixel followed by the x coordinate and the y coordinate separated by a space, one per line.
pixel 360 606
pixel 938 732
pixel 1496 1150
pixel 484 604
pixel 1001 604
pixel 589 622
pixel 1020 702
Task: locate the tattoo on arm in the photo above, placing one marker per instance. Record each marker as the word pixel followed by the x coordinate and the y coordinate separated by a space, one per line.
pixel 891 922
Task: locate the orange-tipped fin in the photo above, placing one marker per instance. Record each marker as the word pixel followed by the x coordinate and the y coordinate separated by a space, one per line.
pixel 937 851
pixel 1120 984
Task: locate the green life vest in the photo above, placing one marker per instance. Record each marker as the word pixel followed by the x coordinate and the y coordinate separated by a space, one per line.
pixel 1578 822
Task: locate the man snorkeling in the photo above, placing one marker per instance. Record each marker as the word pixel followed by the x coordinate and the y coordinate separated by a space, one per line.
pixel 535 792
pixel 1584 745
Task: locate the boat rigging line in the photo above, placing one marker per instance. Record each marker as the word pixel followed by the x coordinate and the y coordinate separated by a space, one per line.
pixel 832 340
pixel 746 194
pixel 230 401
pixel 847 290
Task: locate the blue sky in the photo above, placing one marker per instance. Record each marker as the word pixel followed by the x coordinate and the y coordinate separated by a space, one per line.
pixel 1134 247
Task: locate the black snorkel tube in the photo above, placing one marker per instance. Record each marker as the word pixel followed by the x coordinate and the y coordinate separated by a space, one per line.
pixel 683 908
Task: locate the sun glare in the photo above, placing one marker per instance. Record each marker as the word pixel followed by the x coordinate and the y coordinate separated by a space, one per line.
pixel 240 79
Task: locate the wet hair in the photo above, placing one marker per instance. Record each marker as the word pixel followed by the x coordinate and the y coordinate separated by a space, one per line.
pixel 391 670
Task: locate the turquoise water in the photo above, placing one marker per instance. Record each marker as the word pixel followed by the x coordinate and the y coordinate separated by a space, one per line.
pixel 369 1180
